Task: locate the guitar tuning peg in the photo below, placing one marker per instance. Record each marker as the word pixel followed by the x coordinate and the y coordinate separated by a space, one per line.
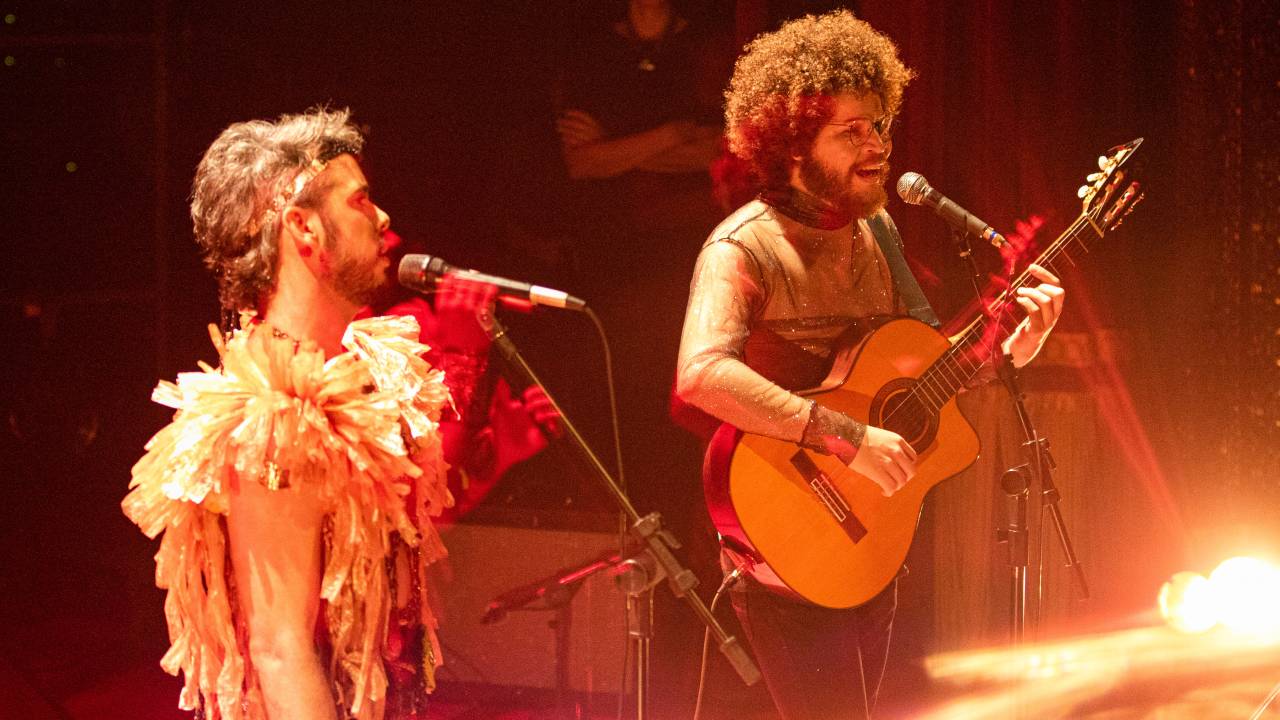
pixel 1102 162
pixel 1095 177
pixel 1084 190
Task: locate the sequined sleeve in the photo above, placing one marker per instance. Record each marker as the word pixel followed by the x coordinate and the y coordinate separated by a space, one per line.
pixel 727 288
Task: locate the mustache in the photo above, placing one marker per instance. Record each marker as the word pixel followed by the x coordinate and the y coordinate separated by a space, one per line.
pixel 883 170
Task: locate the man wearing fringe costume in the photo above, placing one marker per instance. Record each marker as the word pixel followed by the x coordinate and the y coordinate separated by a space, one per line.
pixel 296 485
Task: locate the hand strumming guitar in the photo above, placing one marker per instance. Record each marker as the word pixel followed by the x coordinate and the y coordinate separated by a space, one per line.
pixel 886 459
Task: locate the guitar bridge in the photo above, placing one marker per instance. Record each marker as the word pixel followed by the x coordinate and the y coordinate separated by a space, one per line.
pixel 828 495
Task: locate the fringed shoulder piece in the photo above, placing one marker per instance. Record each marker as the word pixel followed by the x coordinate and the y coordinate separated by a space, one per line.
pixel 362 428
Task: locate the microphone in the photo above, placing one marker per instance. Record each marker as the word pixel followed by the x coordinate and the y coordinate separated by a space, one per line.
pixel 915 190
pixel 556 589
pixel 421 272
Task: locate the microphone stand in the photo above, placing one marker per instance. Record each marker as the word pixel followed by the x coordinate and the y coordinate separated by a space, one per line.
pixel 632 574
pixel 965 251
pixel 656 541
pixel 636 577
pixel 1014 484
pixel 548 588
pixel 557 594
pixel 1042 466
pixel 1015 480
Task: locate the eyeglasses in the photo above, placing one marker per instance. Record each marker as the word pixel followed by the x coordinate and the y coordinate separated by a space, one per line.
pixel 858 131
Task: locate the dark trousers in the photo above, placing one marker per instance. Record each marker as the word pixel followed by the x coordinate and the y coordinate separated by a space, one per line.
pixel 819 663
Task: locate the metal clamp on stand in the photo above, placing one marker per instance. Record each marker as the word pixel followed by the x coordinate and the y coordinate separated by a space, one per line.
pixel 1014 483
pixel 636 576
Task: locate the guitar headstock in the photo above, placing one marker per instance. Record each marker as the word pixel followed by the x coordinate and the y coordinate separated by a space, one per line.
pixel 1109 195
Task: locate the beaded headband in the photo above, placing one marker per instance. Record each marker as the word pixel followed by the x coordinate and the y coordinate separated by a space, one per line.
pixel 286 196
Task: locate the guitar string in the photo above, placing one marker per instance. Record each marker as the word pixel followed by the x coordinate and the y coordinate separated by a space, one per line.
pixel 935 373
pixel 967 341
pixel 916 413
pixel 961 350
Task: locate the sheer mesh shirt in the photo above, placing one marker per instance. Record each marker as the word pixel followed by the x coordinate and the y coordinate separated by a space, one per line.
pixel 770 302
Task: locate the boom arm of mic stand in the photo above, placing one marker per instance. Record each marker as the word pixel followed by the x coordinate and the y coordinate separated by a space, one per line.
pixel 658 542
pixel 570 577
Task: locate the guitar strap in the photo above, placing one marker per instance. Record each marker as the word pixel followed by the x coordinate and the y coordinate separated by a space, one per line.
pixel 886 235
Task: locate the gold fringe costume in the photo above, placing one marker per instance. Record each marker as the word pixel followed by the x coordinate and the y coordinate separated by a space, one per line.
pixel 362 428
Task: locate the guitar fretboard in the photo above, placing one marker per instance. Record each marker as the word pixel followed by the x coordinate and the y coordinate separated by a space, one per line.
pixel 975 346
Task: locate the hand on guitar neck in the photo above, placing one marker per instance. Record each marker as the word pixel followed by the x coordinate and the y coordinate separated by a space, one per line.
pixel 1043 304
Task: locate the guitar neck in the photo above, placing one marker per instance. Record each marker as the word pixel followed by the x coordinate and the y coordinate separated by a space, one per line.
pixel 977 344
pixel 1109 196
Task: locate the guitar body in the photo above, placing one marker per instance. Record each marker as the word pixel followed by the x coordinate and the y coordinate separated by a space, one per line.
pixel 813 528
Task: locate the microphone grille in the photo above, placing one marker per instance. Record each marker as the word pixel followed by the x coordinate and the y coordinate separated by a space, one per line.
pixel 410 271
pixel 420 272
pixel 912 188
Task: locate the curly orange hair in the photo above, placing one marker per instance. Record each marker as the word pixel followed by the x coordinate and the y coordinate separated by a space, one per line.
pixel 783 87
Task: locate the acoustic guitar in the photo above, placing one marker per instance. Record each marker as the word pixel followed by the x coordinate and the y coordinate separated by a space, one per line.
pixel 810 527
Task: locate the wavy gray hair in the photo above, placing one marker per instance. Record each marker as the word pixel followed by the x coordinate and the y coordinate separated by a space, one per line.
pixel 243 183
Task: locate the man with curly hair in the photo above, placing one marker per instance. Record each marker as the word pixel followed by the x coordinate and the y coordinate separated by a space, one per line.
pixel 297 484
pixel 788 279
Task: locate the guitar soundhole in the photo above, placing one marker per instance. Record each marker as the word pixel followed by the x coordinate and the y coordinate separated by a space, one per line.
pixel 898 409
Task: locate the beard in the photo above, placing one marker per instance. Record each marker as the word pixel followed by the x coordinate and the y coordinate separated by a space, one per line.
pixel 838 191
pixel 356 280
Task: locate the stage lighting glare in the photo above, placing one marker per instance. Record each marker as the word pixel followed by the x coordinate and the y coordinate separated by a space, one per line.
pixel 1052 663
pixel 1248 596
pixel 1242 595
pixel 1187 603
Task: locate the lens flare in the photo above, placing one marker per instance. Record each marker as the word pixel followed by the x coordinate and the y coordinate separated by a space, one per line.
pixel 1242 595
pixel 1248 596
pixel 1187 603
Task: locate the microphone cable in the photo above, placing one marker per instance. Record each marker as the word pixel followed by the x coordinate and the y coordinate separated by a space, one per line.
pixel 729 581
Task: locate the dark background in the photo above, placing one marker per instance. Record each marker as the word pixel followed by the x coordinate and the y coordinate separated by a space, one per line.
pixel 107 107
